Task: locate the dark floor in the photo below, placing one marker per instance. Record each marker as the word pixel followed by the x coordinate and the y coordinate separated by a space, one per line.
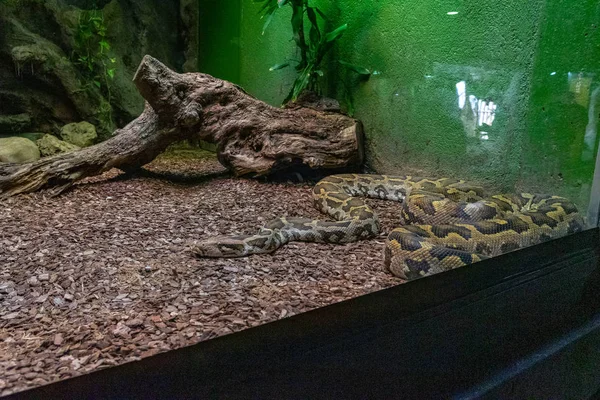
pixel 103 274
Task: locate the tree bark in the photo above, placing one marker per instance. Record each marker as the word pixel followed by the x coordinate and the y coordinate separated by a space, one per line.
pixel 252 137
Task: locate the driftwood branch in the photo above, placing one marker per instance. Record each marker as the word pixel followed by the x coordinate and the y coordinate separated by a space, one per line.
pixel 252 137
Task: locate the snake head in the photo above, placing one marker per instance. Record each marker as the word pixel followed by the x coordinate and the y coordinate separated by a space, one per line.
pixel 221 247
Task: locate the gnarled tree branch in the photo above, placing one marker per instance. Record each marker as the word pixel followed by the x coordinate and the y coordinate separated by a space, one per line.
pixel 252 137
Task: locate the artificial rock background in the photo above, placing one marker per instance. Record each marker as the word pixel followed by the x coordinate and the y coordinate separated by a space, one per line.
pixel 41 89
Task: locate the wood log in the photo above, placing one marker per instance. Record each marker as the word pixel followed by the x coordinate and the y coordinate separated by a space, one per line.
pixel 133 146
pixel 252 137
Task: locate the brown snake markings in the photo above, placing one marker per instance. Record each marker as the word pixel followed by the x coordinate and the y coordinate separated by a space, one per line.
pixel 448 223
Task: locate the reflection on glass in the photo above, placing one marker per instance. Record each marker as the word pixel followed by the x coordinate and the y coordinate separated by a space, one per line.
pixel 476 112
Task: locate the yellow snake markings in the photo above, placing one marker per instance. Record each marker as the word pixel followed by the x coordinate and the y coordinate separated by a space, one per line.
pixel 446 223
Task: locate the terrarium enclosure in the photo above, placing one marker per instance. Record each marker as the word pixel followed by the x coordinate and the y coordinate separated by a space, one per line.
pixel 174 171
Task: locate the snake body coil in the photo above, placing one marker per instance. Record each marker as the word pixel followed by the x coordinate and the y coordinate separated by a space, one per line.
pixel 448 223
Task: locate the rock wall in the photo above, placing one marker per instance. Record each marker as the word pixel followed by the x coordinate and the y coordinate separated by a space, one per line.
pixel 42 89
pixel 189 11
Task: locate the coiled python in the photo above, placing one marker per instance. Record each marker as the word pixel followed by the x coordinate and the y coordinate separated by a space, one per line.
pixel 448 223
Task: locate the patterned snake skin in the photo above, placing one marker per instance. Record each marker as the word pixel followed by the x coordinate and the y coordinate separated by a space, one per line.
pixel 448 223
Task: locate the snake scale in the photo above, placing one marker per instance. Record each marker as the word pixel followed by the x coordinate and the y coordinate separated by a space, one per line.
pixel 447 223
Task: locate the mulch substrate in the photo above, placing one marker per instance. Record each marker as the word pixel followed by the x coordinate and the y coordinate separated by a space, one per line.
pixel 103 275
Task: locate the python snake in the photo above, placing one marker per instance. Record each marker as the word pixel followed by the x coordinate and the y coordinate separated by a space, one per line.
pixel 447 223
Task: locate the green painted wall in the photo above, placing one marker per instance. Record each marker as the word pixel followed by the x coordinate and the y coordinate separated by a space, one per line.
pixel 514 126
pixel 262 51
pixel 564 101
pixel 219 38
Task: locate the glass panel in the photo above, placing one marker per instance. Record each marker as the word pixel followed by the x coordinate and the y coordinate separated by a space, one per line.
pixel 501 95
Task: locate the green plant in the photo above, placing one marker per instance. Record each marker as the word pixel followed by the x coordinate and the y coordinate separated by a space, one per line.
pixel 313 48
pixel 91 54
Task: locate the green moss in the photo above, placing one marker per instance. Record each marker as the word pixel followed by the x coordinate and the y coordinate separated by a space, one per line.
pixel 186 151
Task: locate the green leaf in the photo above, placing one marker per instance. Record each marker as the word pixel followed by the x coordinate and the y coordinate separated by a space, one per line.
pixel 113 60
pixel 268 22
pixel 301 83
pixel 336 34
pixel 111 73
pixel 350 109
pixel 289 96
pixel 104 45
pixel 315 33
pixel 97 83
pixel 268 7
pixel 297 26
pixel 279 66
pixel 321 14
pixel 267 10
pixel 264 7
pixel 358 69
pixel 319 72
pixel 282 3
